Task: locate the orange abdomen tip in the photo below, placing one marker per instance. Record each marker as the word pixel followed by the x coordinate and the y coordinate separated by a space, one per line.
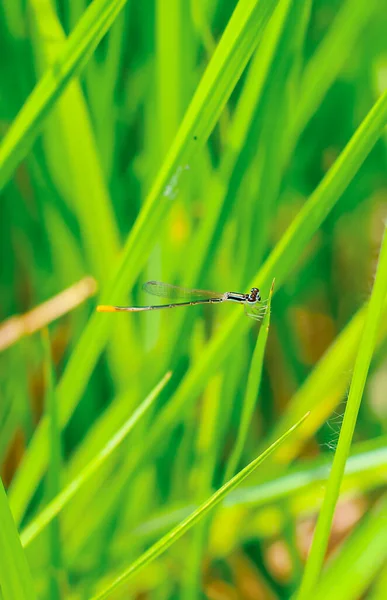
pixel 106 308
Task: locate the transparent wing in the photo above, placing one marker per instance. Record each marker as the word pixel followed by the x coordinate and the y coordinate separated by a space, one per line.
pixel 175 292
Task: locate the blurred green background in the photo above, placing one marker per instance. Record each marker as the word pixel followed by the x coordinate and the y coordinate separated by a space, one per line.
pixel 101 191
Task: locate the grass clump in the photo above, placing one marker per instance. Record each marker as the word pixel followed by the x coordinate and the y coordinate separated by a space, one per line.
pixel 216 146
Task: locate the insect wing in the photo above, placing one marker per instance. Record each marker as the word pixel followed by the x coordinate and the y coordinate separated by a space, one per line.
pixel 175 292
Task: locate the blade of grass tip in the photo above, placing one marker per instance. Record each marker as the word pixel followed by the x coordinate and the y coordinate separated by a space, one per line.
pixel 362 363
pixel 235 48
pixel 53 482
pixel 252 388
pixel 15 576
pixel 172 536
pixel 60 501
pixel 92 26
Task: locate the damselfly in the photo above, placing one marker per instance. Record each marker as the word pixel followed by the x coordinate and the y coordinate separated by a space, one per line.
pixel 251 301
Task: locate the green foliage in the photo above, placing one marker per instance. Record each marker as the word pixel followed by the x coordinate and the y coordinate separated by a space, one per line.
pixel 215 145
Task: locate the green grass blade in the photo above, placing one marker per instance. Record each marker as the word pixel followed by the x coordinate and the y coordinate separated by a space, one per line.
pixel 15 577
pixel 234 50
pixel 252 389
pixel 53 483
pixel 165 542
pixel 93 25
pixel 362 363
pixel 58 503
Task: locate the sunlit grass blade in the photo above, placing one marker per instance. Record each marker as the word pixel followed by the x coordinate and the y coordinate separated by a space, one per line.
pixel 54 471
pixel 15 576
pixel 165 542
pixel 252 389
pixel 94 23
pixel 362 363
pixel 233 52
pixel 58 503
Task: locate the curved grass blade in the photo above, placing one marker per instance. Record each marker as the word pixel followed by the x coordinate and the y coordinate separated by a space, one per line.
pixel 362 364
pixel 60 501
pixel 171 537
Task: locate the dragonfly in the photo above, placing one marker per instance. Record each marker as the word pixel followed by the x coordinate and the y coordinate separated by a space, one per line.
pixel 191 297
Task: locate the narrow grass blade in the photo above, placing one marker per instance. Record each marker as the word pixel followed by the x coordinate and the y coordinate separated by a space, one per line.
pixel 15 577
pixel 171 537
pixel 56 505
pixel 53 481
pixel 252 389
pixel 362 363
pixel 93 25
